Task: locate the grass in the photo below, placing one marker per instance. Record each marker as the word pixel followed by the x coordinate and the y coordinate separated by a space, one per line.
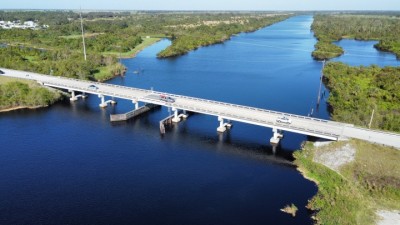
pixel 369 183
pixel 146 42
pixel 78 36
pixel 103 74
pixel 4 80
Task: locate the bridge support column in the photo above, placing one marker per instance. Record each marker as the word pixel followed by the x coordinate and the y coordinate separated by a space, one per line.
pixel 276 137
pixel 84 95
pixel 73 97
pixel 136 104
pixel 184 115
pixel 222 127
pixel 176 119
pixel 112 101
pixel 103 104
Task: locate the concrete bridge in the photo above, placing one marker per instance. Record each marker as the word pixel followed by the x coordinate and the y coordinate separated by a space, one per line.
pixel 223 111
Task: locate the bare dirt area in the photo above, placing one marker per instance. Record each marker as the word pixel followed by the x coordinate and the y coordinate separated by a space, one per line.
pixel 388 217
pixel 337 157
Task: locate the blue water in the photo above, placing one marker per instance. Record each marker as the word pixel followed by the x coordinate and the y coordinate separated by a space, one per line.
pixel 364 53
pixel 67 164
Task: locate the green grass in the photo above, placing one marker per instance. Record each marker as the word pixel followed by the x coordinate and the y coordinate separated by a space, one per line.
pixel 146 42
pixel 4 80
pixel 369 183
pixel 104 73
pixel 78 36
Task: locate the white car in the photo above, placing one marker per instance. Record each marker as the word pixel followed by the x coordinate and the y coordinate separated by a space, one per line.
pixel 283 119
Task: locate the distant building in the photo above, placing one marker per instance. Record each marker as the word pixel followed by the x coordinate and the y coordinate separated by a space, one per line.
pixel 26 25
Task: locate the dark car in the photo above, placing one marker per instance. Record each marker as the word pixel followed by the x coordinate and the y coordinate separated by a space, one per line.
pixel 167 98
pixel 1 72
pixel 93 87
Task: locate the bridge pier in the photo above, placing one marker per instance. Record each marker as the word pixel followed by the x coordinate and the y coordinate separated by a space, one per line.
pixel 103 104
pixel 277 136
pixel 176 118
pixel 75 97
pixel 184 115
pixel 223 126
pixel 136 104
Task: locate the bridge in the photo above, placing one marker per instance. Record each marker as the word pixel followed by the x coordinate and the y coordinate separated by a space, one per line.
pixel 223 111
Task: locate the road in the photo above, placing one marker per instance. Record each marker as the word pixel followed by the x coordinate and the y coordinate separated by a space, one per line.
pixel 299 124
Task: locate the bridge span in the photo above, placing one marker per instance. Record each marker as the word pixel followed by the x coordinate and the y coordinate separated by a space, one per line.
pixel 223 111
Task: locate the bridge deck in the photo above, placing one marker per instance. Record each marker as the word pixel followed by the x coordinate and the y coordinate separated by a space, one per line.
pixel 251 115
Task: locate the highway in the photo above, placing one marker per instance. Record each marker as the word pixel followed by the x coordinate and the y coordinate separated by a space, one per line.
pixel 262 117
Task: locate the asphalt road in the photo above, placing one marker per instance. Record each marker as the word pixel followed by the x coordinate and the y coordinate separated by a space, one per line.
pixel 262 117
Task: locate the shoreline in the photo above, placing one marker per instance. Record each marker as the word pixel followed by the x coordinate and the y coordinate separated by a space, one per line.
pixel 342 188
pixel 14 108
pixel 130 56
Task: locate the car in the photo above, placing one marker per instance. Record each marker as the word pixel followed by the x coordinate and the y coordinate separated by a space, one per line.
pixel 93 87
pixel 167 99
pixel 1 72
pixel 283 119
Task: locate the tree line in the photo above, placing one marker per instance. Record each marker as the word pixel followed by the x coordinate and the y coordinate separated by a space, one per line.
pixel 331 28
pixel 357 91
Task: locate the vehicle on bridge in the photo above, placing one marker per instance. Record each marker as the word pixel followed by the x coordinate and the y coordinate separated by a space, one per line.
pixel 167 99
pixel 283 119
pixel 93 87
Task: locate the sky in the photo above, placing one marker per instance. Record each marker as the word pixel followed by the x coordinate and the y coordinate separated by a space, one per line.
pixel 203 4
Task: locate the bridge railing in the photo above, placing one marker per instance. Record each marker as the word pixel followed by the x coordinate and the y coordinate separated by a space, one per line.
pixel 181 97
pixel 257 121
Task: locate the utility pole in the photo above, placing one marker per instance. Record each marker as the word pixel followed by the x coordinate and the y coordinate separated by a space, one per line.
pixel 372 116
pixel 83 37
pixel 320 83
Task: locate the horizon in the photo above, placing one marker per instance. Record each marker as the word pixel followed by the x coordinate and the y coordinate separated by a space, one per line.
pixel 205 5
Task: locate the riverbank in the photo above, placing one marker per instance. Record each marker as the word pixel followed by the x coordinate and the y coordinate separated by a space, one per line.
pixel 206 34
pixel 331 28
pixel 147 41
pixel 18 94
pixel 355 180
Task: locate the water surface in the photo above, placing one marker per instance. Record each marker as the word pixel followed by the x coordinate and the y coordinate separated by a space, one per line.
pixel 68 164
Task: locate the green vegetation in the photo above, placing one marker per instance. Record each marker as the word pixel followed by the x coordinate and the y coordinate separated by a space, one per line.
pixel 147 41
pixel 353 195
pixel 203 34
pixel 17 94
pixel 331 28
pixel 357 91
pixel 58 49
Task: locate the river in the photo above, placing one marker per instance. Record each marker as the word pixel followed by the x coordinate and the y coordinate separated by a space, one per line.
pixel 68 164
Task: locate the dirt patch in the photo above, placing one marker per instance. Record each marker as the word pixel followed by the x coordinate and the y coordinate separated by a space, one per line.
pixel 336 158
pixel 388 217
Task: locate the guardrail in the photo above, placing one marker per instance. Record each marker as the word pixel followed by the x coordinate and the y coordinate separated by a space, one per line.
pixel 200 110
pixel 55 82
